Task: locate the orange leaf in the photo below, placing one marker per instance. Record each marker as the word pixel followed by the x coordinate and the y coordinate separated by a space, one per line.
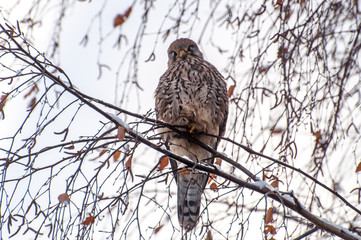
pixel 269 217
pixel 270 229
pixel 156 230
pixel 116 155
pixel 89 220
pixel 211 176
pixel 358 167
pixel 120 18
pixel 64 198
pixel 230 90
pixel 121 133
pixel 218 161
pixel 163 163
pixel 214 187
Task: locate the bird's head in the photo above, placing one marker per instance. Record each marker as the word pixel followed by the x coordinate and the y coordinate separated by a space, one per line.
pixel 182 49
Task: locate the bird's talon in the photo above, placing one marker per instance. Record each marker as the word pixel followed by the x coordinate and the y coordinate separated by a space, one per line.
pixel 193 128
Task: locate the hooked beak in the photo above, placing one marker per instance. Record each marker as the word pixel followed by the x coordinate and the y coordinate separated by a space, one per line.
pixel 182 54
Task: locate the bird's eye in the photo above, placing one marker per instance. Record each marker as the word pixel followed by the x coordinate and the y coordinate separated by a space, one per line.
pixel 173 54
pixel 191 49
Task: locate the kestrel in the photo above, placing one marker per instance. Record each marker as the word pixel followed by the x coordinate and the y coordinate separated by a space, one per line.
pixel 191 93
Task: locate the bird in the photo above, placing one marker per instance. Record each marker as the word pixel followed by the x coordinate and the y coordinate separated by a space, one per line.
pixel 191 93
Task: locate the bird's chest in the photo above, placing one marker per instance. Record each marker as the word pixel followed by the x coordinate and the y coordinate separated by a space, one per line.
pixel 190 91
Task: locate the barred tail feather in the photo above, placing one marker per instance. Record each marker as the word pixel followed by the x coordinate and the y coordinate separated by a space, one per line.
pixel 190 189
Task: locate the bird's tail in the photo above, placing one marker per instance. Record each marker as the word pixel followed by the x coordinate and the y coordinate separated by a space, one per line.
pixel 190 189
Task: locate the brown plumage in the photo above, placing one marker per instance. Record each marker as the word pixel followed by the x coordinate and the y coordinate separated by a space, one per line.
pixel 192 93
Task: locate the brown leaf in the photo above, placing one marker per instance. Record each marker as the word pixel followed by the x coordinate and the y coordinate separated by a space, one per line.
pixel 2 105
pixel 120 18
pixel 156 230
pixel 3 101
pixel 121 133
pixel 214 187
pixel 104 151
pixel 218 161
pixel 209 236
pixel 211 177
pixel 317 135
pixel 64 198
pixel 230 90
pixel 358 167
pixel 269 216
pixel 89 220
pixel 270 229
pixel 279 2
pixel 33 89
pixel 275 183
pixel 277 131
pixel 32 103
pixel 163 163
pixel 116 155
pixel 264 69
pixel 281 52
pixel 128 166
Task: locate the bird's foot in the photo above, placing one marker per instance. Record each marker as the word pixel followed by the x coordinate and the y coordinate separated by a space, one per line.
pixel 192 129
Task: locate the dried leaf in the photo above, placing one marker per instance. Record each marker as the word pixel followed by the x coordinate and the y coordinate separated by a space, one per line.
pixel 121 133
pixel 3 101
pixel 264 69
pixel 116 155
pixel 156 230
pixel 214 187
pixel 317 135
pixel 120 18
pixel 163 163
pixel 279 2
pixel 64 198
pixel 218 161
pixel 104 151
pixel 230 90
pixel 270 229
pixel 209 236
pixel 89 220
pixel 211 177
pixel 32 103
pixel 128 166
pixel 275 183
pixel 281 52
pixel 269 216
pixel 33 89
pixel 277 131
pixel 358 169
pixel 2 105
